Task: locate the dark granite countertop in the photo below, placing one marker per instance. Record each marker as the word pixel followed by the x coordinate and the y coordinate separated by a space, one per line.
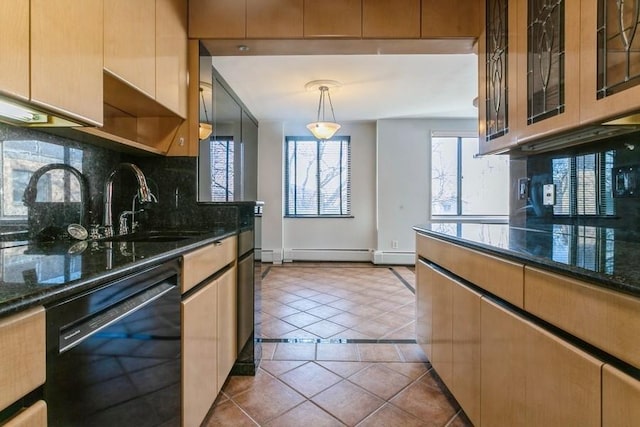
pixel 34 274
pixel 602 256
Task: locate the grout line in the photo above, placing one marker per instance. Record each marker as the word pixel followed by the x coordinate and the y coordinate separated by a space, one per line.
pixel 404 282
pixel 335 341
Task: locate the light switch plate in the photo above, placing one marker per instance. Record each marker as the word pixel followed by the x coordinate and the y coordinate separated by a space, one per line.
pixel 548 194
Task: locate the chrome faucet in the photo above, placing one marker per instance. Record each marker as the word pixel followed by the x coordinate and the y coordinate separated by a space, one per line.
pixel 144 193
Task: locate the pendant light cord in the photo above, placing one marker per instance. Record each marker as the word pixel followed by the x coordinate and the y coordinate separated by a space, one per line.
pixel 204 105
pixel 322 104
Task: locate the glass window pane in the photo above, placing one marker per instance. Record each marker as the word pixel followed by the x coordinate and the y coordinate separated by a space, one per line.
pixel 562 180
pixel 222 170
pixel 444 173
pixel 485 181
pixel 306 185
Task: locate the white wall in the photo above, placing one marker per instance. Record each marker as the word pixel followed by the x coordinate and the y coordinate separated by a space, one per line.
pixel 390 193
pixel 403 181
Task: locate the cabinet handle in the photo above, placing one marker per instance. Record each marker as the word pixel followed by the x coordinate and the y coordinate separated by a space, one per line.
pixel 217 243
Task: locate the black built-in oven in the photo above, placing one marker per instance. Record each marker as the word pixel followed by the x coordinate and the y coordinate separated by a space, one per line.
pixel 113 353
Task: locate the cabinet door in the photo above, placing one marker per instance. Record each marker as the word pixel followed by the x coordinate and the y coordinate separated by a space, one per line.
pixel 502 383
pixel 332 18
pixel 452 18
pixel 399 19
pixel 217 19
pixel 14 48
pixel 130 42
pixel 466 350
pixel 497 83
pixel 548 70
pixel 620 398
pixel 33 416
pixel 171 55
pixel 562 382
pixel 442 332
pixel 227 324
pixel 424 307
pixel 199 354
pixel 281 19
pixel 609 59
pixel 66 57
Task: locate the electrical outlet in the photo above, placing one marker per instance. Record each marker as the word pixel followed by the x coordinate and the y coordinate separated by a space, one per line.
pixel 394 244
pixel 549 194
pixel 523 188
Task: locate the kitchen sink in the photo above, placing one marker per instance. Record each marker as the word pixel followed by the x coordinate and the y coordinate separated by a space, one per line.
pixel 155 236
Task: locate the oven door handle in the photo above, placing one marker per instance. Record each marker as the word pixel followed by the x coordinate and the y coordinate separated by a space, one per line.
pixel 73 335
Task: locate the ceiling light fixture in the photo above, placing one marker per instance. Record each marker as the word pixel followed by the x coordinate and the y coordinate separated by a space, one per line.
pixel 204 128
pixel 321 128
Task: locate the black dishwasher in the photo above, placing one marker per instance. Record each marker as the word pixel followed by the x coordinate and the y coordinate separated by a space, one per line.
pixel 113 353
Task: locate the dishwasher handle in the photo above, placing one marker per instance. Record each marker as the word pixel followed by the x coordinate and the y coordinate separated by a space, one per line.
pixel 73 335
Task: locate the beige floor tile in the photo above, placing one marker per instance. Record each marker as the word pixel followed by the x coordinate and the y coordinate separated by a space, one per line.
pixel 306 414
pixel 239 384
pixel 344 369
pixel 324 298
pixel 365 311
pixel 300 334
pixel 411 370
pixel 460 420
pixel 346 319
pixel 324 311
pixel 324 329
pixel 300 320
pixel 348 402
pixel 268 348
pixel 228 414
pixel 341 352
pixel 374 328
pixel 303 304
pixel 288 351
pixel 278 309
pixel 278 367
pixel 305 292
pixel 276 328
pixel 262 406
pixel 379 353
pixel 425 400
pixel 343 304
pixel 389 416
pixel 381 381
pixel 412 353
pixel 350 334
pixel 407 332
pixel 310 379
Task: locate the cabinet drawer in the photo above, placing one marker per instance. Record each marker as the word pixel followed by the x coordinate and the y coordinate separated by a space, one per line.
pixel 500 277
pixel 606 319
pixel 204 262
pixel 22 359
pixel 33 416
pixel 620 398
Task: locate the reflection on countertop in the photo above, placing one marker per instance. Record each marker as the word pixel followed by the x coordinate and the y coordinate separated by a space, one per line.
pixel 602 256
pixel 37 273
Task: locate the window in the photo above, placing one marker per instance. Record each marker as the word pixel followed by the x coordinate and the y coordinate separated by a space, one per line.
pixel 222 170
pixel 464 185
pixel 318 177
pixel 583 184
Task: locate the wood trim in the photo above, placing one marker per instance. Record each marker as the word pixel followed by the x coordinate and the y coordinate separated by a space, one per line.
pixel 22 359
pixel 500 277
pixel 606 319
pixel 204 262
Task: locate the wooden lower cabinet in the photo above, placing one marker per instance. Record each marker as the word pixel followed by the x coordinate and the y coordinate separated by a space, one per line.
pixel 199 354
pixel 227 324
pixel 442 321
pixel 424 306
pixel 33 416
pixel 533 378
pixel 620 398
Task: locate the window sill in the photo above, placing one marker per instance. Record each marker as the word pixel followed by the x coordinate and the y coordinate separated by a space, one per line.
pixel 319 216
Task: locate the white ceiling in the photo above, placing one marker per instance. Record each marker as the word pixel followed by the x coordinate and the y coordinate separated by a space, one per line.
pixel 373 86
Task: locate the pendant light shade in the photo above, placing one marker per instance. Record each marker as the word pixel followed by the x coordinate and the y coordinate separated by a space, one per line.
pixel 321 128
pixel 204 128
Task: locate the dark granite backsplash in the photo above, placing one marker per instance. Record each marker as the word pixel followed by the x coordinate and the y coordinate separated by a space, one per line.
pixel 588 195
pixel 172 180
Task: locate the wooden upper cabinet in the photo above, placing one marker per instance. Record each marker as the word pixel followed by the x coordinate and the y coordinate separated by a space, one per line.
pixel 384 19
pixel 280 19
pixel 217 19
pixel 548 70
pixel 171 55
pixel 130 42
pixel 609 60
pixel 332 18
pixel 497 83
pixel 14 48
pixel 66 57
pixel 452 18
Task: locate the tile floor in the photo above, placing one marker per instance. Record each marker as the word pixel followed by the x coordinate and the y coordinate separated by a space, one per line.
pixel 338 349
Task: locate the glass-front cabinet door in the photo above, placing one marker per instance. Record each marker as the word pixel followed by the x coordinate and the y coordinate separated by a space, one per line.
pixel 610 58
pixel 497 77
pixel 548 67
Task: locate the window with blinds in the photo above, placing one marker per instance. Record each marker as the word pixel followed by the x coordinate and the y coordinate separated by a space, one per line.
pixel 584 185
pixel 318 177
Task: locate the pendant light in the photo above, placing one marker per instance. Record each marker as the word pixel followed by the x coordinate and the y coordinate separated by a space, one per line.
pixel 321 128
pixel 204 128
